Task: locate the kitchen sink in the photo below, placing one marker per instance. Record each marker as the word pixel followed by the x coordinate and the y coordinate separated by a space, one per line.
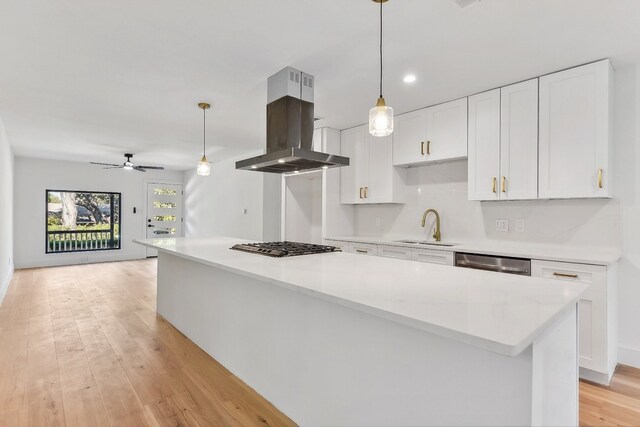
pixel 422 242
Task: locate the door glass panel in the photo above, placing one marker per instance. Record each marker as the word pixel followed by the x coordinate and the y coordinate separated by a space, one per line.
pixel 164 217
pixel 164 205
pixel 164 191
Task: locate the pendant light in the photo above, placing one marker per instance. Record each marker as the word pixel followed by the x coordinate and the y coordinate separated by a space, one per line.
pixel 381 116
pixel 204 167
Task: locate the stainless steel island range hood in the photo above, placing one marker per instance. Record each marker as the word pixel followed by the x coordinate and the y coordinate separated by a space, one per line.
pixel 290 128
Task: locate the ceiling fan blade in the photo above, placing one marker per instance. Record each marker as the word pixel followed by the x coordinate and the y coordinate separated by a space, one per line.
pixel 113 167
pixel 139 168
pixel 105 164
pixel 160 168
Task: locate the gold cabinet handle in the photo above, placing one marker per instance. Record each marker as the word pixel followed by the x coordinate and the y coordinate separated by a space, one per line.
pixel 422 148
pixel 571 276
pixel 362 251
pixel 366 190
pixel 428 148
pixel 493 185
pixel 361 193
pixel 599 178
pixel 504 184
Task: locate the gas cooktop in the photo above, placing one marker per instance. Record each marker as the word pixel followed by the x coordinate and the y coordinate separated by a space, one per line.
pixel 282 249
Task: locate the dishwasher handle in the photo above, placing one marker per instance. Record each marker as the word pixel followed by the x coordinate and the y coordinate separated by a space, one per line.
pixel 491 267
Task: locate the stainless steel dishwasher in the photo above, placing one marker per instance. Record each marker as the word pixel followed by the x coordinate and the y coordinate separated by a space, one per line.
pixel 500 264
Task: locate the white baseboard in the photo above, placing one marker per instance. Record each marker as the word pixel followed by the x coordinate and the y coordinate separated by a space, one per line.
pixel 629 356
pixel 77 258
pixel 4 285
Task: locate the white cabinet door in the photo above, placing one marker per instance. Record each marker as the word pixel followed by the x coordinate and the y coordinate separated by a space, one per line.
pixel 409 138
pixel 519 141
pixel 398 252
pixel 592 308
pixel 353 145
pixel 432 256
pixel 363 248
pixel 317 140
pixel 575 132
pixel 379 185
pixel 484 145
pixel 447 131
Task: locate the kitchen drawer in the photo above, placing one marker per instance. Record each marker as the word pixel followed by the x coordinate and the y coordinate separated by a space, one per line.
pixel 432 256
pixel 593 275
pixel 394 252
pixel 344 246
pixel 363 248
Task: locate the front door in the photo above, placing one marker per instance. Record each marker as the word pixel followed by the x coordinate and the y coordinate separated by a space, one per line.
pixel 164 212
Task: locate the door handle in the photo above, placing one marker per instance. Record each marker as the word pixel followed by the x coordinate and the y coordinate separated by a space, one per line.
pixel 599 178
pixel 150 225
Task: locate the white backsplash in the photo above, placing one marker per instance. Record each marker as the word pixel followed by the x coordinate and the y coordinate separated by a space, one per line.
pixel 444 187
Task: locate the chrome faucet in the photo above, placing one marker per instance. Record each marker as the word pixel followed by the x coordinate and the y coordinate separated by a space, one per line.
pixel 436 234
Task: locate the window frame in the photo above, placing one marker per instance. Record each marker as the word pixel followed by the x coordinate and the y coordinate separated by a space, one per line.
pixel 46 221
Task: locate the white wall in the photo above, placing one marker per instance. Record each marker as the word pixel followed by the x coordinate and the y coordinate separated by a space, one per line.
pixel 303 207
pixel 627 161
pixel 215 204
pixel 34 176
pixel 6 212
pixel 444 187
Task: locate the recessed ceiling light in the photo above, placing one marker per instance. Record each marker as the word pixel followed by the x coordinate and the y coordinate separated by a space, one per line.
pixel 409 78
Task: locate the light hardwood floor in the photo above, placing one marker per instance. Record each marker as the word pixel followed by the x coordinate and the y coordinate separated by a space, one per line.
pixel 82 346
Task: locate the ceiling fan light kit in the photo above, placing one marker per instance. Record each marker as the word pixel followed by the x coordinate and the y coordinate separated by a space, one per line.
pixel 204 167
pixel 381 116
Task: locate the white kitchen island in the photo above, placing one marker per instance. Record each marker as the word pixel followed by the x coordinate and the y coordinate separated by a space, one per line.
pixel 338 339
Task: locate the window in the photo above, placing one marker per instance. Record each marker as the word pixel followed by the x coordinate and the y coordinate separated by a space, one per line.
pixel 82 221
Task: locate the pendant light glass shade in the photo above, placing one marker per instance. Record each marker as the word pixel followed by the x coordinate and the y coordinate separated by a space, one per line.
pixel 381 116
pixel 381 119
pixel 204 167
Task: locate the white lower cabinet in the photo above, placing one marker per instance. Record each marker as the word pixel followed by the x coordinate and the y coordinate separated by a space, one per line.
pixel 363 248
pixel 597 312
pixel 341 244
pixel 398 252
pixel 432 256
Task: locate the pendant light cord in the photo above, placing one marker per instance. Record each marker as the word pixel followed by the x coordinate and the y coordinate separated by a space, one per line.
pixel 380 49
pixel 204 132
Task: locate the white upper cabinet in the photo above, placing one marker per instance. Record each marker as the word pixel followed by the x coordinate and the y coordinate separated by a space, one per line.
pixel 575 132
pixel 519 141
pixel 409 138
pixel 432 134
pixel 484 146
pixel 370 176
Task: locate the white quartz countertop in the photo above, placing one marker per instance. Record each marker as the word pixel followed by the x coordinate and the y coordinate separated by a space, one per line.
pixel 578 254
pixel 498 312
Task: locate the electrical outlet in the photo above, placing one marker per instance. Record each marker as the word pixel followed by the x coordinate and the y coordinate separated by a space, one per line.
pixel 502 225
pixel 520 225
pixel 378 222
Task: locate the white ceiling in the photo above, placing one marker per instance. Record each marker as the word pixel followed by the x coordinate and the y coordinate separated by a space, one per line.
pixel 87 80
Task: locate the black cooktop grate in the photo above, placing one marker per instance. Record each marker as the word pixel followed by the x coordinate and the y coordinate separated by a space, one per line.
pixel 283 249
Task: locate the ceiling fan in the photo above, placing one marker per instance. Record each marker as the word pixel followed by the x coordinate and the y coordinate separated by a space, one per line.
pixel 128 165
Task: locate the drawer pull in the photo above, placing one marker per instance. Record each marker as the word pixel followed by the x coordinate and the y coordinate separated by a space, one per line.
pixel 362 251
pixel 571 276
